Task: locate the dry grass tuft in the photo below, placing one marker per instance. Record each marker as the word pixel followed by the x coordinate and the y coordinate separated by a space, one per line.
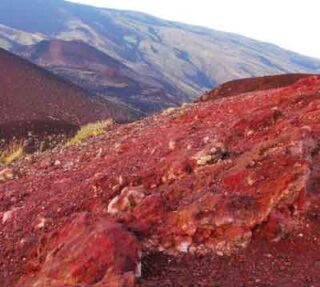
pixel 90 130
pixel 12 152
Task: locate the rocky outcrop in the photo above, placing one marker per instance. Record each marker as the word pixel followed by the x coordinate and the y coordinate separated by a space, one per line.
pixel 86 252
pixel 232 178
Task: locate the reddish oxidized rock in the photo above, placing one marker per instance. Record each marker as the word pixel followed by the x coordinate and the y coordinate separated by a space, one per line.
pixel 203 178
pixel 148 214
pixel 140 211
pixel 86 252
pixel 128 199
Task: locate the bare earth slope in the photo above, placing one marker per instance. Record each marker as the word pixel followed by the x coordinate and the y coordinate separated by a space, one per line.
pixel 252 84
pixel 185 60
pixel 217 193
pixel 29 95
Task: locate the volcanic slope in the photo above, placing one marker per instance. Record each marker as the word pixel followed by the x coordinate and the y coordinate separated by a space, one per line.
pixel 99 73
pixel 247 85
pixel 224 192
pixel 31 96
pixel 186 60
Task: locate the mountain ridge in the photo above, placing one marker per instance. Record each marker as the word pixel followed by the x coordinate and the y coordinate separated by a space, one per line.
pixel 187 60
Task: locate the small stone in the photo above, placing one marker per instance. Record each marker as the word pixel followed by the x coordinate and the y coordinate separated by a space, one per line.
pixel 138 272
pixel 172 145
pixel 251 164
pixel 40 223
pixel 129 198
pixel 204 160
pixel 121 180
pixel 250 181
pixel 306 128
pixel 99 153
pixel 206 140
pixel 216 153
pixel 250 132
pixel 6 174
pixel 8 215
pixel 184 247
pixel 220 253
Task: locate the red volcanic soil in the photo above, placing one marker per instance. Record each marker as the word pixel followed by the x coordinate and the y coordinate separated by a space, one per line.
pixel 29 93
pixel 218 193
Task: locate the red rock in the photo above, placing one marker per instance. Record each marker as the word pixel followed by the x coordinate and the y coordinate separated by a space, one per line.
pixel 128 199
pixel 148 214
pixel 258 194
pixel 86 252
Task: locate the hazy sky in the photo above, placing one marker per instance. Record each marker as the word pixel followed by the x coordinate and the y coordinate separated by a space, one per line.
pixel 290 24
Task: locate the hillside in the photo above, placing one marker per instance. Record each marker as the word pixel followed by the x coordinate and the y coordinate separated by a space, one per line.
pixel 184 59
pixel 220 191
pixel 99 73
pixel 32 98
pixel 247 85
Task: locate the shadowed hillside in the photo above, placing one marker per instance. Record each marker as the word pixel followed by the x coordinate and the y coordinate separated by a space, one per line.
pixel 31 98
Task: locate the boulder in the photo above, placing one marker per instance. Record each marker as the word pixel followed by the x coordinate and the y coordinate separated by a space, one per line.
pixel 86 252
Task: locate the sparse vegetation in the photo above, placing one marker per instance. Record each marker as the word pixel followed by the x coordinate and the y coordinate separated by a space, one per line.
pixel 12 152
pixel 90 130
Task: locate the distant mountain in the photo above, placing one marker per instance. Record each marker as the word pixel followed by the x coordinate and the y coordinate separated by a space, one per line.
pixel 97 72
pixel 183 60
pixel 31 98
